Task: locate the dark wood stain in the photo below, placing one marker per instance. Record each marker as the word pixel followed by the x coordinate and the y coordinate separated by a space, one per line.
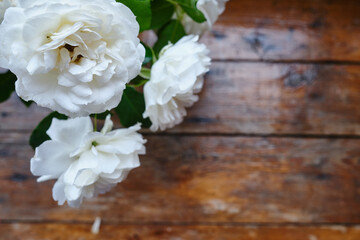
pixel 18 177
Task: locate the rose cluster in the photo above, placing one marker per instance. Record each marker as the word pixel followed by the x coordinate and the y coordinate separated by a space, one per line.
pixel 84 60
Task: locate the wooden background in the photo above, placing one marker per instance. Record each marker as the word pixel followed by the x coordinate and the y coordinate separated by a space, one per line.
pixel 270 152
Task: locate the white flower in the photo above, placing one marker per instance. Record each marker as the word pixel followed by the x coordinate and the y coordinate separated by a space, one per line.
pixel 73 56
pixel 211 9
pixel 175 78
pixel 4 5
pixel 86 163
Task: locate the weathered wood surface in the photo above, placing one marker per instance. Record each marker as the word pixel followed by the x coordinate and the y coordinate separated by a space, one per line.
pixel 296 30
pixel 288 70
pixel 255 98
pixel 17 231
pixel 206 179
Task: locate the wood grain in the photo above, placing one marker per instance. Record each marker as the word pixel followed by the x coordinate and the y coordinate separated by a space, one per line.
pixel 254 98
pixel 18 231
pixel 285 69
pixel 206 179
pixel 296 30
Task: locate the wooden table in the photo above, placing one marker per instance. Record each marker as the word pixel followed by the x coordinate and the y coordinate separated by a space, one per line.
pixel 271 151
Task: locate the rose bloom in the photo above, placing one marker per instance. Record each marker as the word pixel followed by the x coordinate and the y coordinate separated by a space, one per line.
pixel 86 163
pixel 175 79
pixel 211 9
pixel 72 56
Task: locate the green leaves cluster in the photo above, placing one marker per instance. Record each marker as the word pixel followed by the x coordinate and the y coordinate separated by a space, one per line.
pixel 156 15
pixel 7 85
pixel 189 7
pixel 142 11
pixel 131 108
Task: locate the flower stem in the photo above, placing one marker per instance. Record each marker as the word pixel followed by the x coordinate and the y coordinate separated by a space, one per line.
pixel 171 1
pixel 154 58
pixel 145 73
pixel 95 122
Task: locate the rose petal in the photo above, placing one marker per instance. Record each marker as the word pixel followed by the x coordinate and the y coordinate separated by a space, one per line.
pixel 51 159
pixel 71 131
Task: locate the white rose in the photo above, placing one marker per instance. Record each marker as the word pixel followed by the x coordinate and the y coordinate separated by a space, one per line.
pixel 73 56
pixel 211 9
pixel 86 163
pixel 4 5
pixel 175 78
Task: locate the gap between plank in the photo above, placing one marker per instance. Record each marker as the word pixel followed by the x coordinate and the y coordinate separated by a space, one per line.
pixel 289 61
pixel 217 134
pixel 164 223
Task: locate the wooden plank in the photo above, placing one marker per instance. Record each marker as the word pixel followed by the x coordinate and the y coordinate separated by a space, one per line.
pixel 206 179
pixel 296 30
pixel 255 98
pixel 15 116
pixel 278 99
pixel 18 231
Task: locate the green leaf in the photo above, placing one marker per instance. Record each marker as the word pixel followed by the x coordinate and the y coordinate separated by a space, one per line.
pixel 171 32
pixel 39 135
pixel 149 54
pixel 142 11
pixel 131 108
pixel 189 7
pixel 162 11
pixel 7 85
pixel 138 81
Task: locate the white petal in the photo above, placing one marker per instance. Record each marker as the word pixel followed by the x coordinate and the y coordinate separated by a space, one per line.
pixel 71 173
pixel 129 161
pixel 51 159
pixel 108 125
pixel 71 131
pixel 86 177
pixel 87 160
pixel 72 192
pixel 58 192
pixel 107 163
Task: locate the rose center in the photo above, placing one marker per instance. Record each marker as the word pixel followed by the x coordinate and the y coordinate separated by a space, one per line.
pixel 69 47
pixel 74 57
